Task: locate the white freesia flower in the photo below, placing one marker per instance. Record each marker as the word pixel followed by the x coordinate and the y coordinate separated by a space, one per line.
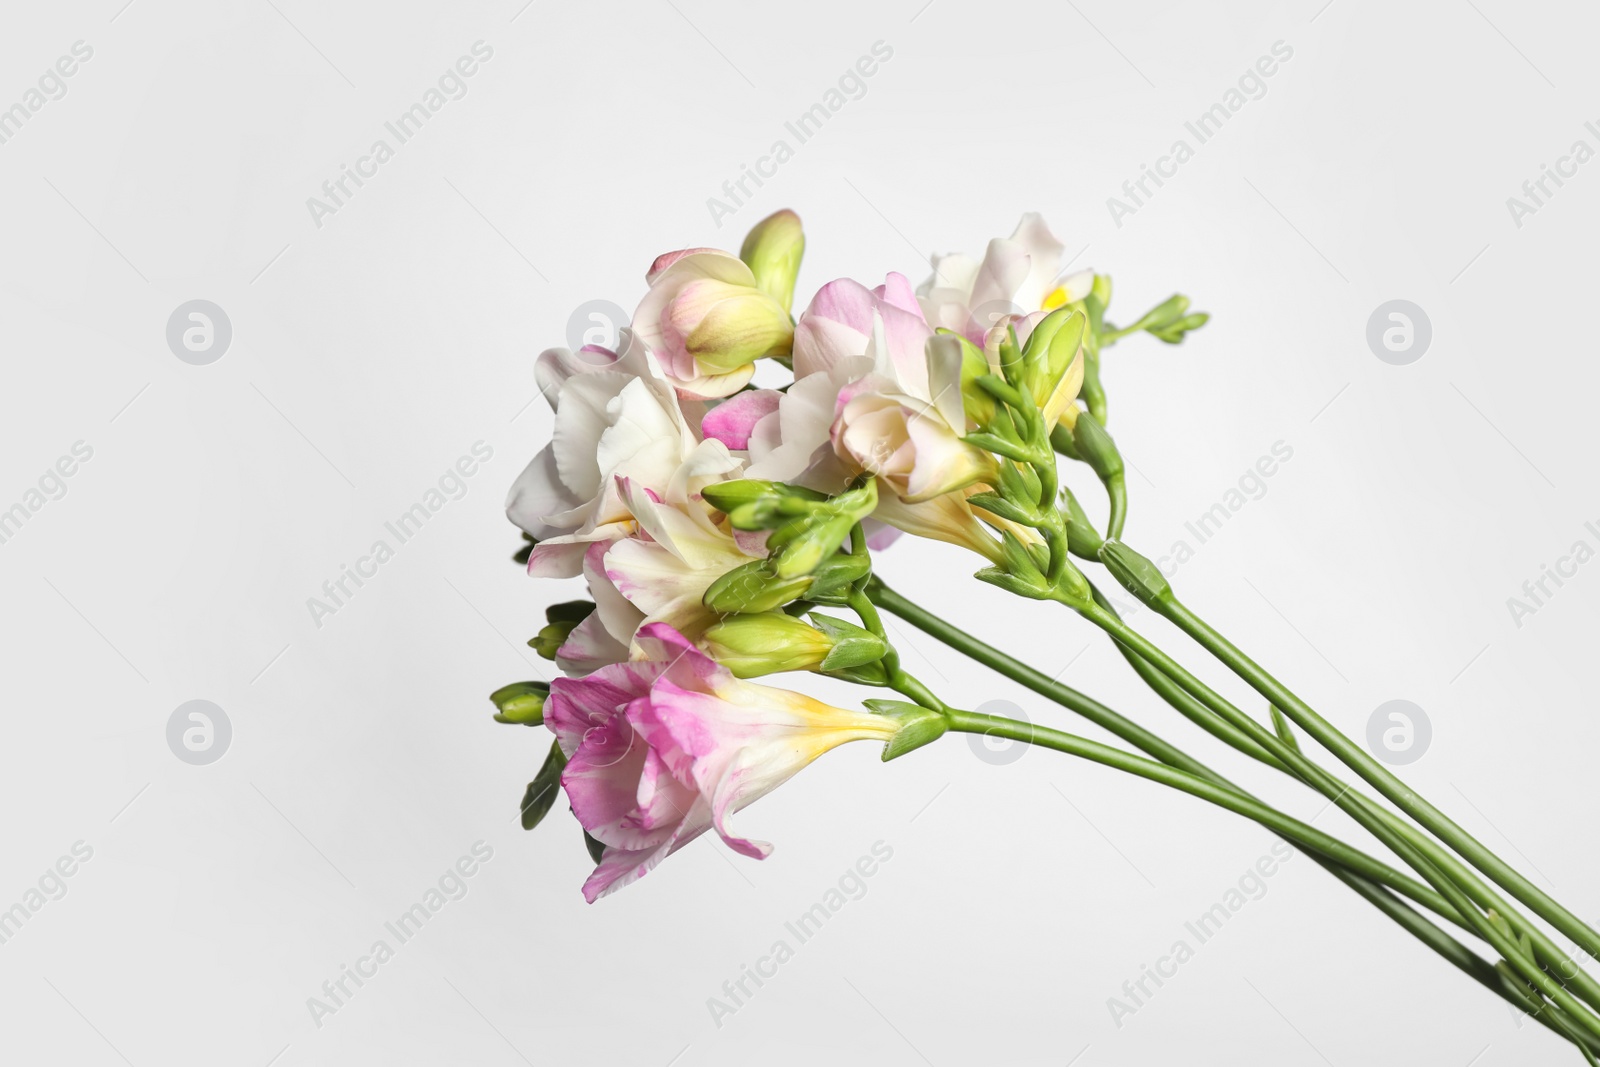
pixel 1018 275
pixel 616 416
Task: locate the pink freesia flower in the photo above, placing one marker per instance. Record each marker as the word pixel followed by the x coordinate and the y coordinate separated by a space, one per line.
pixel 707 320
pixel 661 749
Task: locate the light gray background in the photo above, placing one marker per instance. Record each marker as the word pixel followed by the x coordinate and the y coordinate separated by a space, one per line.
pixel 369 353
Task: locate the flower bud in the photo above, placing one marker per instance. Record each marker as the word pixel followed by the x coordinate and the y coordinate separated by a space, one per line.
pixel 753 587
pixel 562 619
pixel 1136 573
pixel 1053 358
pixel 753 645
pixel 520 702
pixel 772 250
pixel 725 326
pixel 708 321
pixel 1096 448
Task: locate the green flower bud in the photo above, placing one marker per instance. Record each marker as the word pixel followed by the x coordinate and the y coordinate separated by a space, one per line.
pixel 753 587
pixel 836 573
pixel 1175 333
pixel 1097 449
pixel 772 250
pixel 1083 540
pixel 772 641
pixel 1136 573
pixel 520 702
pixel 726 496
pixel 766 643
pixel 562 619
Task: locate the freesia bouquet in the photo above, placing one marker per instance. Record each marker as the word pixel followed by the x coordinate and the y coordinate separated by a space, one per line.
pixel 726 531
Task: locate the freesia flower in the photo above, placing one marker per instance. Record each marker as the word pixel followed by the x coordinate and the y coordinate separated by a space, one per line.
pixel 1017 277
pixel 873 396
pixel 661 749
pixel 708 321
pixel 615 415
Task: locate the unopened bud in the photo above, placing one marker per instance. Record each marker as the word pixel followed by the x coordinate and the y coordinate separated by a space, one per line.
pixel 753 587
pixel 520 702
pixel 1135 573
pixel 562 619
pixel 772 250
pixel 753 645
pixel 1097 449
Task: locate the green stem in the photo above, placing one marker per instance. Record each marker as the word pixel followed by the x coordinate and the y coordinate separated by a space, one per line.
pixel 1381 778
pixel 1420 853
pixel 1117 494
pixel 1294 830
pixel 1148 742
pixel 1180 700
pixel 1546 951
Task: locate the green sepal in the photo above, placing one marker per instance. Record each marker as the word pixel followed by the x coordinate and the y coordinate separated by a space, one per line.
pixel 918 725
pixel 1019 561
pixel 545 787
pixel 874 673
pixel 573 611
pixel 837 573
pixel 1083 540
pixel 1033 590
pixel 596 847
pixel 852 645
pixel 1000 506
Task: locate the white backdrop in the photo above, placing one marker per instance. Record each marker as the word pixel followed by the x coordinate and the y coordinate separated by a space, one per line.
pixel 377 340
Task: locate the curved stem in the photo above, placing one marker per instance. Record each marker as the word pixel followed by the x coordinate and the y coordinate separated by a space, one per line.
pixel 1288 827
pixel 1380 777
pixel 1174 757
pixel 1117 495
pixel 1422 854
pixel 1233 800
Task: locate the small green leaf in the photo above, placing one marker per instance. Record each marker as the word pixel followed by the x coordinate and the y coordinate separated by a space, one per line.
pixel 543 790
pixel 597 849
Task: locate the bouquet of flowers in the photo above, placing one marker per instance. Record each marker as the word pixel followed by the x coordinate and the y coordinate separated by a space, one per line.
pixel 726 532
